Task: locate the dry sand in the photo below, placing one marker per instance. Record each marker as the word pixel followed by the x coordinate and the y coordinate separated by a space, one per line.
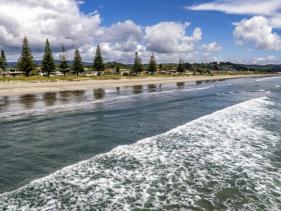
pixel 20 88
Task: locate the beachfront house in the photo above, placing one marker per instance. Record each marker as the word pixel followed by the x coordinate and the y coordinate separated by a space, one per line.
pixel 11 72
pixel 14 72
pixel 124 71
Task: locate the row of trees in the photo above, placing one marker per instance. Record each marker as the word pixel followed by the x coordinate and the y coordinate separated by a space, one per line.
pixel 152 66
pixel 26 64
pixel 138 67
pixel 48 65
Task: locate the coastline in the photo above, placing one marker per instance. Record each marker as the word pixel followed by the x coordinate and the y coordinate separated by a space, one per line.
pixel 22 88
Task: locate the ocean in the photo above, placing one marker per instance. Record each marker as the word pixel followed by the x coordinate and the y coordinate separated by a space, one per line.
pixel 207 145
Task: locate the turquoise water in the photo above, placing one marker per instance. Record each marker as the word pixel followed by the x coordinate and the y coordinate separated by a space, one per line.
pixel 221 151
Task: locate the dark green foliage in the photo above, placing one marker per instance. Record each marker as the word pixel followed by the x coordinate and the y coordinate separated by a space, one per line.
pixel 137 67
pixel 115 64
pixel 48 63
pixel 63 62
pixel 187 66
pixel 180 67
pixel 25 62
pixel 98 61
pixel 160 67
pixel 117 70
pixel 3 61
pixel 152 67
pixel 77 65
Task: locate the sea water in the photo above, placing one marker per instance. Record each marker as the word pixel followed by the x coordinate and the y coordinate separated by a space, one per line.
pixel 212 145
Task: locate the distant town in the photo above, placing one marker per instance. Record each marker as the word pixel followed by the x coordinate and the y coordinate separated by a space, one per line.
pixel 50 66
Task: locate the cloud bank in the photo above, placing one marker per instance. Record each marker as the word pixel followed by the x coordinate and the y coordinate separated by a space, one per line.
pixel 242 7
pixel 62 22
pixel 260 29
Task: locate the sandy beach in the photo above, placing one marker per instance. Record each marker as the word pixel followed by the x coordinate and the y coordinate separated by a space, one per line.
pixel 20 88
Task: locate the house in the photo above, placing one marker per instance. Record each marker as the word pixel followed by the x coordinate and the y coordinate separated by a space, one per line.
pixel 14 72
pixel 125 71
pixel 11 72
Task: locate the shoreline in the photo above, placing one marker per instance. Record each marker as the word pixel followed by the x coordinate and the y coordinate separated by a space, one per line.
pixel 22 88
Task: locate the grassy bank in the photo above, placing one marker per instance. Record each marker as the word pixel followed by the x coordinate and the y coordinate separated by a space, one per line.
pixel 37 78
pixel 36 85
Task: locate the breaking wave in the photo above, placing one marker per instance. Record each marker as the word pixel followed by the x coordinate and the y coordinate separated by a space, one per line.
pixel 220 161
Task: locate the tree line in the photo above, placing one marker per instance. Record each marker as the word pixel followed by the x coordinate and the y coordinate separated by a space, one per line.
pixel 26 63
pixel 152 65
pixel 48 65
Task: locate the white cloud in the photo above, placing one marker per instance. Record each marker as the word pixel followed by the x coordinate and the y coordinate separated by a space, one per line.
pixel 171 37
pixel 168 39
pixel 211 48
pixel 275 21
pixel 123 31
pixel 81 2
pixel 122 37
pixel 44 19
pixel 62 22
pixel 252 7
pixel 266 60
pixel 257 30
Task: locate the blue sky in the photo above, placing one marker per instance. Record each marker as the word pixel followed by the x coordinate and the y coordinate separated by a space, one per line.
pixel 216 25
pixel 195 30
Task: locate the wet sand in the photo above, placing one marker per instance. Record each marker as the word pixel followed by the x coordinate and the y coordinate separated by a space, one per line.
pixel 20 88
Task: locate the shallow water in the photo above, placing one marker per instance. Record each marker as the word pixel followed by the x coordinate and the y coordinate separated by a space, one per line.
pixel 226 154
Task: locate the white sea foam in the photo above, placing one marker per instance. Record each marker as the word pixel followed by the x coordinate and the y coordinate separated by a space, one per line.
pixel 264 79
pixel 268 78
pixel 220 161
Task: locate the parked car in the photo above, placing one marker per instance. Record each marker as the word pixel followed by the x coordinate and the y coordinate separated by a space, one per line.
pixel 58 73
pixel 42 74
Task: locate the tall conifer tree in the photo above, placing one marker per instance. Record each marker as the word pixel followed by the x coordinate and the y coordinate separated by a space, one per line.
pixel 63 61
pixel 152 67
pixel 1 64
pixel 77 66
pixel 25 62
pixel 3 61
pixel 160 67
pixel 48 63
pixel 180 67
pixel 137 67
pixel 98 61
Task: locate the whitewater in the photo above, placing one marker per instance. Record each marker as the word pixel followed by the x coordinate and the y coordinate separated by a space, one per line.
pixel 221 161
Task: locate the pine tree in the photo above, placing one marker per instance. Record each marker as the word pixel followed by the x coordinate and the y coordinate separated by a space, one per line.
pixel 137 67
pixel 48 63
pixel 77 63
pixel 160 67
pixel 3 61
pixel 180 67
pixel 152 67
pixel 98 61
pixel 63 61
pixel 25 62
pixel 117 69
